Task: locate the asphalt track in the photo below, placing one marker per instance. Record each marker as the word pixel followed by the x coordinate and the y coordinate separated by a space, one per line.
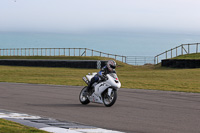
pixel 135 111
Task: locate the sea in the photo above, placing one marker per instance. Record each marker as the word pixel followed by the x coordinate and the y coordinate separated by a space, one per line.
pixel 121 43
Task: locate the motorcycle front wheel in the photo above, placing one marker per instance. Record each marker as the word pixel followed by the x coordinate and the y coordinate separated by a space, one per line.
pixel 109 100
pixel 83 96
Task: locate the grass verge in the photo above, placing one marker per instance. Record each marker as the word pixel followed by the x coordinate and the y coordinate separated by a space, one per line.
pixel 12 127
pixel 189 56
pixel 138 77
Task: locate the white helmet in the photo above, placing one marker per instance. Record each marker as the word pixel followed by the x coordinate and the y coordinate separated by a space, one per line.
pixel 111 64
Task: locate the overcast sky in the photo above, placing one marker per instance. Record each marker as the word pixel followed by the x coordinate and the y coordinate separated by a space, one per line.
pixel 91 15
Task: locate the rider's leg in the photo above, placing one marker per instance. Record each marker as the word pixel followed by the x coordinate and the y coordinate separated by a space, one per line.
pixel 93 80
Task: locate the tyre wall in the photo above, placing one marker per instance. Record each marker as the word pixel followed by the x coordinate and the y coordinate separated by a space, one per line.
pixel 93 64
pixel 181 63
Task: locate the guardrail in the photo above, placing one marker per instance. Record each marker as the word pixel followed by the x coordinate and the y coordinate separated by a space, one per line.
pixel 58 52
pixel 179 50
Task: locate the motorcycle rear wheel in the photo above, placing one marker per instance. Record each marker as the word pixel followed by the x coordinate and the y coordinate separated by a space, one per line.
pixel 109 100
pixel 83 97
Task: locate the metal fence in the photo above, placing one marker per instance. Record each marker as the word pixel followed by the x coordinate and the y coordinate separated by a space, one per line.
pixel 140 60
pixel 179 50
pixel 58 52
pixel 133 60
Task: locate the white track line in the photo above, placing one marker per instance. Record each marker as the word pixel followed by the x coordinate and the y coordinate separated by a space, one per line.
pixel 54 129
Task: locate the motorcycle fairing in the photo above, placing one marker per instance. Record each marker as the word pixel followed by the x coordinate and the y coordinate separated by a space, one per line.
pixel 95 98
pixel 99 89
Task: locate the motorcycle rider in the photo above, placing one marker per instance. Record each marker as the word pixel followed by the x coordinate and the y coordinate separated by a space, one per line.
pixel 109 68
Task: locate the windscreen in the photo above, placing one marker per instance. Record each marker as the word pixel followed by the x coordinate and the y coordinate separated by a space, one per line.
pixel 114 75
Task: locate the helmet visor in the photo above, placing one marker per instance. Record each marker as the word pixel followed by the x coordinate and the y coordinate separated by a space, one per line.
pixel 113 67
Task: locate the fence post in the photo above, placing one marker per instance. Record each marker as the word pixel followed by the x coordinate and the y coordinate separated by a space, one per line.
pixel 166 54
pixel 182 49
pixel 85 51
pixel 64 51
pixel 58 51
pixel 45 51
pixel 188 48
pixel 69 51
pixel 176 52
pixel 135 61
pixel 33 52
pixel 92 52
pixel 122 59
pixel 125 59
pixel 171 53
pixel 157 59
pixel 10 51
pixel 0 52
pixel 197 48
pixel 41 51
pixel 79 51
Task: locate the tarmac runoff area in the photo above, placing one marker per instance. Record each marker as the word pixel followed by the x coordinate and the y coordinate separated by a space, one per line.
pixel 135 111
pixel 51 125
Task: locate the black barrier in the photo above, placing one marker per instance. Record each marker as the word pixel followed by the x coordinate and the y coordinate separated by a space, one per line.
pixel 93 64
pixel 181 63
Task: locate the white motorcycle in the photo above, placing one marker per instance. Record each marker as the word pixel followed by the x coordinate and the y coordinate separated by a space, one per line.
pixel 104 92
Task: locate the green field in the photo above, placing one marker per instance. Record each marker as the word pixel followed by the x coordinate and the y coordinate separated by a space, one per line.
pixel 137 77
pixel 12 127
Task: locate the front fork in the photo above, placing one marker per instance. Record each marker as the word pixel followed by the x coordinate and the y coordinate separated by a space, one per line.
pixel 109 91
